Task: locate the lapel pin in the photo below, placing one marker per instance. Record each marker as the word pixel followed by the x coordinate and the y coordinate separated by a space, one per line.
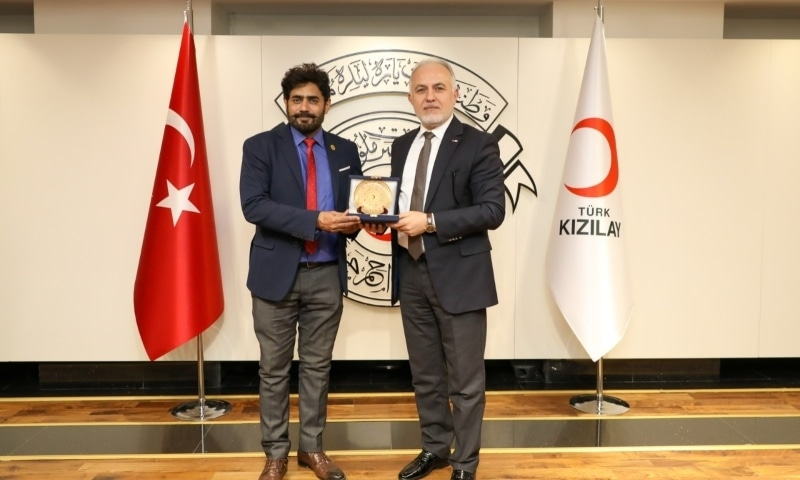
pixel 333 147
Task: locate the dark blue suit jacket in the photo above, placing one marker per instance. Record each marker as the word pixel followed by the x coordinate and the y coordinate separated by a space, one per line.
pixel 467 197
pixel 273 198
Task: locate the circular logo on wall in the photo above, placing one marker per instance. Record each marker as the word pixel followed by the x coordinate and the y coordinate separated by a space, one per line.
pixel 383 74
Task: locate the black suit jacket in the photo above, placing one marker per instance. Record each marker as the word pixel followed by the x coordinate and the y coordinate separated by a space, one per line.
pixel 273 198
pixel 466 194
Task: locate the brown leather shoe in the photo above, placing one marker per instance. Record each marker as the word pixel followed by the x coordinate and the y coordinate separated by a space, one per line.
pixel 323 467
pixel 274 469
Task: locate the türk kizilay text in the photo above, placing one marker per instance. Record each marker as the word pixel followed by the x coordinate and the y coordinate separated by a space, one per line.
pixel 601 227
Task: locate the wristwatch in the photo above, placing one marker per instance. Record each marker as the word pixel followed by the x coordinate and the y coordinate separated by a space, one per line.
pixel 430 227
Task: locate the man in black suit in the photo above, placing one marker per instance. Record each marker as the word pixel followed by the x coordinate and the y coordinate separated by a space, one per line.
pixel 294 188
pixel 442 256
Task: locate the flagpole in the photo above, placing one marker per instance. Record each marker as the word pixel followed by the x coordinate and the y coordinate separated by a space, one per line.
pixel 188 15
pixel 598 403
pixel 201 409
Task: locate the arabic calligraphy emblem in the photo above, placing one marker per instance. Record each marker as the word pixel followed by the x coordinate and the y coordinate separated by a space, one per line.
pixel 379 73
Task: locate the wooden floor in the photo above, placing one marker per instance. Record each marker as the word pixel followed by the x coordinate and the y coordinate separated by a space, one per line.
pixel 760 462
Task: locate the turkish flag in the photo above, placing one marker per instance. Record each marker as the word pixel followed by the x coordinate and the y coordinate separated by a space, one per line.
pixel 178 289
pixel 587 268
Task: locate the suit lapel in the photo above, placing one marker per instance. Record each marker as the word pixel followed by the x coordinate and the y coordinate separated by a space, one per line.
pixel 288 153
pixel 334 162
pixel 452 136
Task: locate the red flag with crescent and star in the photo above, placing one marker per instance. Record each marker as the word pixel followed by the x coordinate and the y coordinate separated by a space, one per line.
pixel 586 266
pixel 178 289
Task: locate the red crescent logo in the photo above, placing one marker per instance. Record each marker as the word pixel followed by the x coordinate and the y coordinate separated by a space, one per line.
pixel 610 182
pixel 385 236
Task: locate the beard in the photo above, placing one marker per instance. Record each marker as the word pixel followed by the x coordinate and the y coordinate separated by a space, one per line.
pixel 305 122
pixel 433 118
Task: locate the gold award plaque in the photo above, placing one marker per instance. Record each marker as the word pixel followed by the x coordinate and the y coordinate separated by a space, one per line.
pixel 373 197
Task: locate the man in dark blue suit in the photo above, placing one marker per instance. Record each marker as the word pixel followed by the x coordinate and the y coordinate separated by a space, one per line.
pixel 442 256
pixel 294 188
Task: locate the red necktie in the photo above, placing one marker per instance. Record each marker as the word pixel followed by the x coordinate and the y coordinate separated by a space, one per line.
pixel 311 187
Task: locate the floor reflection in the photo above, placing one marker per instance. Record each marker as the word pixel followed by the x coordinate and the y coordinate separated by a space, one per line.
pixel 188 438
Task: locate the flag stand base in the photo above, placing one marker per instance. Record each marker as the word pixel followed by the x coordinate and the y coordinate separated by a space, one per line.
pixel 600 405
pixel 201 410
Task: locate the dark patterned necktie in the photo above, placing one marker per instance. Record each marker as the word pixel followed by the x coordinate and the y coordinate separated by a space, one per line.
pixel 418 193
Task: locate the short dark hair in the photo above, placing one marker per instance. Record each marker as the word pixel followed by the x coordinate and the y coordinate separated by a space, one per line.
pixel 306 73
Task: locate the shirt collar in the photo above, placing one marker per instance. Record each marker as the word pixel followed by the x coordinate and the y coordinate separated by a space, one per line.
pixel 438 131
pixel 299 137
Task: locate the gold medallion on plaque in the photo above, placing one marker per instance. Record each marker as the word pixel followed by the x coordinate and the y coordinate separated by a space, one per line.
pixel 373 197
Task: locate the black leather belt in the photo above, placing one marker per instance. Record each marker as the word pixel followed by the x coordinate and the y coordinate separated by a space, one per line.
pixel 317 264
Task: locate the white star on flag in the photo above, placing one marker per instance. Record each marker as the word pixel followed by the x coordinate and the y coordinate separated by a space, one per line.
pixel 178 201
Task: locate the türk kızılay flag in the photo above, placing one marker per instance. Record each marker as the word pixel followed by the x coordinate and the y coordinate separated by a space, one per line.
pixel 178 289
pixel 586 265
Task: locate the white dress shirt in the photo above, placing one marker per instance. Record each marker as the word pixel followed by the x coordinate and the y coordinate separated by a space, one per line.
pixel 410 171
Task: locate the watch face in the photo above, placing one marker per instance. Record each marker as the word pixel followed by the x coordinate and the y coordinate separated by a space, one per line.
pixel 430 228
pixel 373 197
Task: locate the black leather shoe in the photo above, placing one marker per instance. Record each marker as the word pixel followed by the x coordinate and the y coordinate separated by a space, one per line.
pixel 462 475
pixel 425 463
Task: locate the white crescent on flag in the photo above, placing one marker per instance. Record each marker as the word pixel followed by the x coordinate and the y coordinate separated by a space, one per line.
pixel 177 122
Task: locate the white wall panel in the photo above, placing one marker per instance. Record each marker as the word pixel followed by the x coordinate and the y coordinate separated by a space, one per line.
pixel 370 331
pixel 80 133
pixel 689 119
pixel 705 130
pixel 780 157
pixel 691 125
